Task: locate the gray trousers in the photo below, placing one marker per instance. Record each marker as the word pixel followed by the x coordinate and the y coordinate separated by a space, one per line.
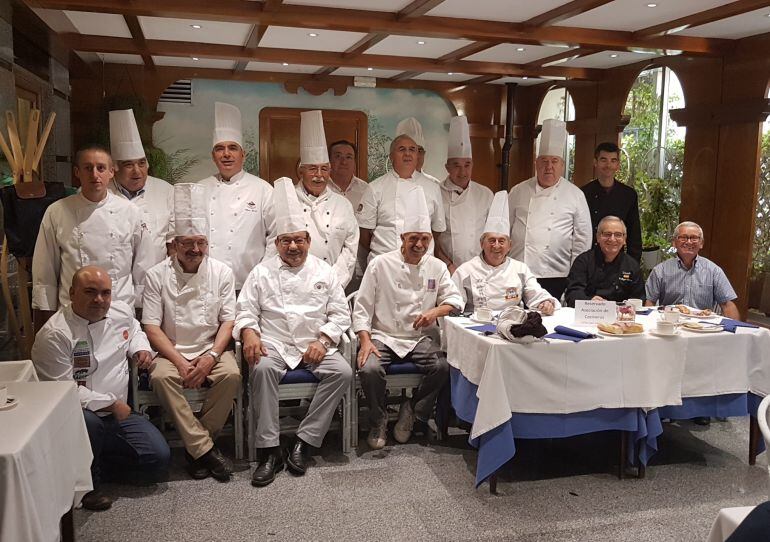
pixel 431 362
pixel 335 375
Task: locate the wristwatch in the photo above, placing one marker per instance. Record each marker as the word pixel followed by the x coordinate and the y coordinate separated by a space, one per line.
pixel 326 342
pixel 214 354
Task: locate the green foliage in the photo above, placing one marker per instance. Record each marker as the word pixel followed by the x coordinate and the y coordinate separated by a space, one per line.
pixel 761 255
pixel 379 148
pixel 172 167
pixel 251 148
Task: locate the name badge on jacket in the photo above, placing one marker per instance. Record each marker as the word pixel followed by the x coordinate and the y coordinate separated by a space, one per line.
pixel 431 285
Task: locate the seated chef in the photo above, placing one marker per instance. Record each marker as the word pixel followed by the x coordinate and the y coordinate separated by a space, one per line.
pixel 402 294
pixel 189 311
pixel 606 272
pixel 89 341
pixel 494 281
pixel 292 313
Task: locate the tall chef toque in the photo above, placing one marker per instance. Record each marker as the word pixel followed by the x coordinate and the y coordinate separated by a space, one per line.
pixel 411 127
pixel 125 143
pixel 497 218
pixel 312 140
pixel 553 138
pixel 417 218
pixel 289 215
pixel 459 138
pixel 190 210
pixel 227 124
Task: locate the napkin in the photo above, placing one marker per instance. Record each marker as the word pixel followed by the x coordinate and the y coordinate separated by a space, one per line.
pixel 568 334
pixel 486 327
pixel 729 324
pixel 644 312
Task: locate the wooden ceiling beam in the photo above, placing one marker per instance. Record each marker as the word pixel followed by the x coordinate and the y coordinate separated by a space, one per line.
pixel 704 17
pixel 252 42
pixel 244 11
pixel 403 76
pixel 271 5
pixel 468 50
pixel 417 8
pixel 100 44
pixel 135 28
pixel 576 52
pixel 365 43
pixel 570 9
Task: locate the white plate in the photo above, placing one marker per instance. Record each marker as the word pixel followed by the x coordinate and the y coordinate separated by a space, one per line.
pixel 10 403
pixel 600 332
pixel 694 317
pixel 472 319
pixel 710 329
pixel 659 334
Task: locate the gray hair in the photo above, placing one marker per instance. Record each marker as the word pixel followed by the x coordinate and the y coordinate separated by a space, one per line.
pixel 687 224
pixel 610 218
pixel 484 235
pixel 399 138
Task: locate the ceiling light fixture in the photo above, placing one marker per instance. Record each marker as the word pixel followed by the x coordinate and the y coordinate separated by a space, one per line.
pixel 614 55
pixel 651 5
pixel 195 58
pixel 196 26
pixel 520 49
pixel 284 64
pixel 525 77
pixel 313 35
pixel 420 42
pixel 450 73
pixel 369 69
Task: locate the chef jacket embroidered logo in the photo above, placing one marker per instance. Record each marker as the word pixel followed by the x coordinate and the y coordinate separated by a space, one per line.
pixel 625 276
pixel 511 293
pixel 431 285
pixel 360 207
pixel 320 286
pixel 125 334
pixel 251 206
pixel 81 360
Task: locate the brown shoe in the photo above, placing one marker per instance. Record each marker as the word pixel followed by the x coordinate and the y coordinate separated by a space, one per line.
pixel 96 500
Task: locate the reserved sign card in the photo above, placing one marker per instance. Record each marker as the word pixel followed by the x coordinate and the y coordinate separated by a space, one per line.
pixel 595 312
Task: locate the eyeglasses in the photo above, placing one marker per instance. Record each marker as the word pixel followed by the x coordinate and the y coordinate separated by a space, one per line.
pixel 611 234
pixel 287 241
pixel 316 169
pixel 187 245
pixel 686 238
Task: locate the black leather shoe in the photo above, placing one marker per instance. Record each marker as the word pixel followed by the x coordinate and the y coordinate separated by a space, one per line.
pixel 195 468
pixel 270 465
pixel 96 500
pixel 296 458
pixel 214 461
pixel 701 420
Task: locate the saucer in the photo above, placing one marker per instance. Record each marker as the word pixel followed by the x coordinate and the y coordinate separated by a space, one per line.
pixel 10 403
pixel 661 334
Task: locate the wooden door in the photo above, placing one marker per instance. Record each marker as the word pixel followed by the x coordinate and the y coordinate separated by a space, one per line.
pixel 279 139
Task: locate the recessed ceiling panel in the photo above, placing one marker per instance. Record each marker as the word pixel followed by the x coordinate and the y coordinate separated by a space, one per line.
pixel 374 72
pixel 608 59
pixel 116 58
pixel 187 62
pixel 161 28
pixel 372 5
pixel 283 37
pixel 414 46
pixel 515 54
pixel 513 11
pixel 441 76
pixel 740 26
pixel 99 24
pixel 279 67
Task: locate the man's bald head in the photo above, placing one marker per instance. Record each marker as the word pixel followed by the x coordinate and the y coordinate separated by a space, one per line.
pixel 91 293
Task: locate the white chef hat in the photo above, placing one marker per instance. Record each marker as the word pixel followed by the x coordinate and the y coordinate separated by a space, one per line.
pixel 459 138
pixel 312 140
pixel 190 210
pixel 553 138
pixel 411 127
pixel 498 221
pixel 125 143
pixel 289 214
pixel 227 124
pixel 416 216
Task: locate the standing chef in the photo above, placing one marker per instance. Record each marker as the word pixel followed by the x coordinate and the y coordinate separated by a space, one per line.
pixel 411 126
pixel 550 220
pixel 241 217
pixel 466 202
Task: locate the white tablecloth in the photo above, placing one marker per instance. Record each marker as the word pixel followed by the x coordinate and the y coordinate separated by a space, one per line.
pixel 45 460
pixel 18 371
pixel 727 521
pixel 645 371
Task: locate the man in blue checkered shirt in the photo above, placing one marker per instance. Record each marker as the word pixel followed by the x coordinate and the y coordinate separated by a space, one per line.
pixel 690 279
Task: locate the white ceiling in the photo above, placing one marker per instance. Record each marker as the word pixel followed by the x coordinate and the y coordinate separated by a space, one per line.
pixel 275 67
pixel 740 26
pixel 494 10
pixel 298 38
pixel 99 24
pixel 440 76
pixel 115 58
pixel 634 14
pixel 605 59
pixel 353 72
pixel 160 28
pixel 187 62
pixel 508 52
pixel 407 46
pixel 373 5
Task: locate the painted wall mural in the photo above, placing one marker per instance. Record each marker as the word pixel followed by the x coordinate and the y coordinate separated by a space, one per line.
pixel 187 129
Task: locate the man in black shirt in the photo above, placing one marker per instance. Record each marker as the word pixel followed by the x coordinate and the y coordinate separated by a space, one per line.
pixel 605 272
pixel 607 196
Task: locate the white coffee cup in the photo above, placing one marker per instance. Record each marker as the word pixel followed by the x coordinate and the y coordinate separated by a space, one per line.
pixel 3 395
pixel 671 316
pixel 484 315
pixel 666 328
pixel 635 303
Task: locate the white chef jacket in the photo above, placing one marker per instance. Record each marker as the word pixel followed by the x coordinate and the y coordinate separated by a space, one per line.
pixel 68 344
pixel 394 293
pixel 550 227
pixel 429 177
pixel 495 288
pixel 382 209
pixel 291 306
pixel 189 313
pixel 76 232
pixel 333 229
pixel 156 203
pixel 241 221
pixel 354 192
pixel 466 215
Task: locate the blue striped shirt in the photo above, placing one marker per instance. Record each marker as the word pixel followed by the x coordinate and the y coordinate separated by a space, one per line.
pixel 703 286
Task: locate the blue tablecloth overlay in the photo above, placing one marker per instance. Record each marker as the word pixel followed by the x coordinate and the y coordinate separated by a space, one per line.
pixel 497 447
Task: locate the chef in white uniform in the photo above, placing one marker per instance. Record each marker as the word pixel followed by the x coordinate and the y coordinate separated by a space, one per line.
pixel 411 126
pixel 88 342
pixel 343 156
pixel 292 313
pixel 188 315
pixel 92 227
pixel 154 197
pixel 492 280
pixel 550 220
pixel 241 221
pixel 402 295
pixel 466 202
pixel 383 207
pixel 328 217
